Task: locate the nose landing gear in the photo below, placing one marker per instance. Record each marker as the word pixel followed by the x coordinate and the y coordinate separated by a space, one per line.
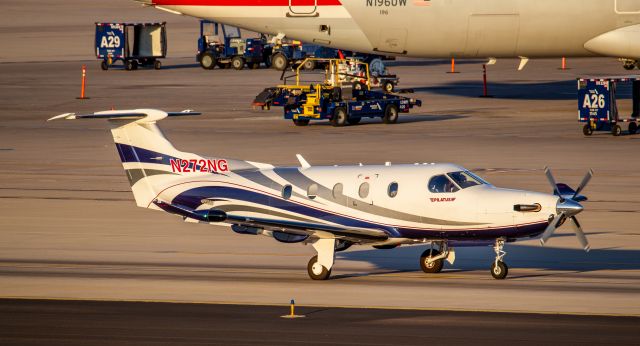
pixel 499 269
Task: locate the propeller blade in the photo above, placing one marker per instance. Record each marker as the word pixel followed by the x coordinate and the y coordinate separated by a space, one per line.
pixel 551 228
pixel 583 183
pixel 552 181
pixel 582 238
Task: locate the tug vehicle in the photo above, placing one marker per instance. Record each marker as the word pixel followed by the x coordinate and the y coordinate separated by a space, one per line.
pixel 325 100
pixel 232 51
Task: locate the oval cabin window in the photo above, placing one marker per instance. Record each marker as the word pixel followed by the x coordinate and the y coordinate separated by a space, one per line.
pixel 363 191
pixel 337 190
pixel 312 191
pixel 392 190
pixel 287 190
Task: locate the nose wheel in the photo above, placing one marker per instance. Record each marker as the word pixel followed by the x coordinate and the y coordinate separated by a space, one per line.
pixel 499 269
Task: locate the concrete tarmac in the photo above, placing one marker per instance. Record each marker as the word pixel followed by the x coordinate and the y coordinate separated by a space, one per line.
pixel 27 322
pixel 69 227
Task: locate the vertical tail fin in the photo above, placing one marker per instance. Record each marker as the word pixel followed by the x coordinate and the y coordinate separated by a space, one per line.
pixel 148 158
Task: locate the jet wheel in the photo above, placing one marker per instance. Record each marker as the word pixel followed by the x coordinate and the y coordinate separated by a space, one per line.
pixel 431 267
pixel 316 270
pixel 499 271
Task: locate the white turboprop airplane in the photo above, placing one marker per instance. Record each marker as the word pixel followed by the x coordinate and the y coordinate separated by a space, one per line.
pixel 438 28
pixel 333 207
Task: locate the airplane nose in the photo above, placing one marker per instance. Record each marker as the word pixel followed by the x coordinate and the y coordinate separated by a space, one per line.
pixel 569 207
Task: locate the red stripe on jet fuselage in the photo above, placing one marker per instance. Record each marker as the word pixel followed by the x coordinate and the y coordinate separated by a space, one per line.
pixel 253 3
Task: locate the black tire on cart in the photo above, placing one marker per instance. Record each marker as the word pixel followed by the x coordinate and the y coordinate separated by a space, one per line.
pixel 104 65
pixel 237 62
pixel 309 65
pixel 157 64
pixel 135 64
pixel 128 65
pixel 587 130
pixel 388 87
pixel 208 61
pixel 301 122
pixel 354 120
pixel 279 62
pixel 339 117
pixel 633 128
pixel 616 130
pixel 390 114
pixel 358 86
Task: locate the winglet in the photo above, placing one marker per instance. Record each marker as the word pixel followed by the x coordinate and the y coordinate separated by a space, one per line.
pixel 303 163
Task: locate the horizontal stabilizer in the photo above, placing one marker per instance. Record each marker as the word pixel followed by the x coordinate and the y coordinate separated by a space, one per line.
pixel 146 115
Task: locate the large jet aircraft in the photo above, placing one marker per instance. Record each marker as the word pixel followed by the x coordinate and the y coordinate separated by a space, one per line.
pixel 438 205
pixel 439 28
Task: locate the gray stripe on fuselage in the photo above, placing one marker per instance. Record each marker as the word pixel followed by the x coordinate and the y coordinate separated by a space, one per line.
pixel 135 174
pixel 295 177
pixel 260 178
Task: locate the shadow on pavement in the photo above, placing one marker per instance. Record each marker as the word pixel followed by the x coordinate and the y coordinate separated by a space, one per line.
pixel 406 258
pixel 557 90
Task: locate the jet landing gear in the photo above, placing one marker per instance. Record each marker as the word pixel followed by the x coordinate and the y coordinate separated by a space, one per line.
pixel 499 269
pixel 319 267
pixel 432 260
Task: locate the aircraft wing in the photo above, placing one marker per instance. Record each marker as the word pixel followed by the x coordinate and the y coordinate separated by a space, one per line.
pixel 354 234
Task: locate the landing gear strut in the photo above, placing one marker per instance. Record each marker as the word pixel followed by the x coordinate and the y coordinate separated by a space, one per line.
pixel 499 269
pixel 319 267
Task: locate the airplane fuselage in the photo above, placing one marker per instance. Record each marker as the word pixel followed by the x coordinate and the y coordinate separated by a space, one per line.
pixel 435 29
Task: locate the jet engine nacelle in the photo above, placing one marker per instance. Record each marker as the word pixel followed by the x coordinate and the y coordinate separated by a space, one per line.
pixel 622 43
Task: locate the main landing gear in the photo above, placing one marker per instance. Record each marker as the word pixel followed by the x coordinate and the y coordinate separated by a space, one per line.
pixel 319 267
pixel 432 260
pixel 499 269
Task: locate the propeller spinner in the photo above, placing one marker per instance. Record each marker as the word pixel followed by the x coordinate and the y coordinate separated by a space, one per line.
pixel 567 207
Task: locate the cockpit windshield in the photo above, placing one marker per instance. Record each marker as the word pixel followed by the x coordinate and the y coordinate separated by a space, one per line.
pixel 466 179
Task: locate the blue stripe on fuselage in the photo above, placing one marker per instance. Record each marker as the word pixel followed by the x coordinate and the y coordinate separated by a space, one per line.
pixel 193 197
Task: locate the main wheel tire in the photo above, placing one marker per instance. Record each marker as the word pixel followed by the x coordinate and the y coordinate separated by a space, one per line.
pixel 587 130
pixel 629 67
pixel 301 122
pixel 207 61
pixel 104 66
pixel 157 64
pixel 390 114
pixel 339 117
pixel 279 62
pixel 309 65
pixel 388 87
pixel 616 130
pixel 354 120
pixel 500 271
pixel 633 128
pixel 237 62
pixel 431 267
pixel 316 270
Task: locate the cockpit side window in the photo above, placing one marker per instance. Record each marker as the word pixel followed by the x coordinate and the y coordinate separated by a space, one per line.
pixel 465 179
pixel 442 184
